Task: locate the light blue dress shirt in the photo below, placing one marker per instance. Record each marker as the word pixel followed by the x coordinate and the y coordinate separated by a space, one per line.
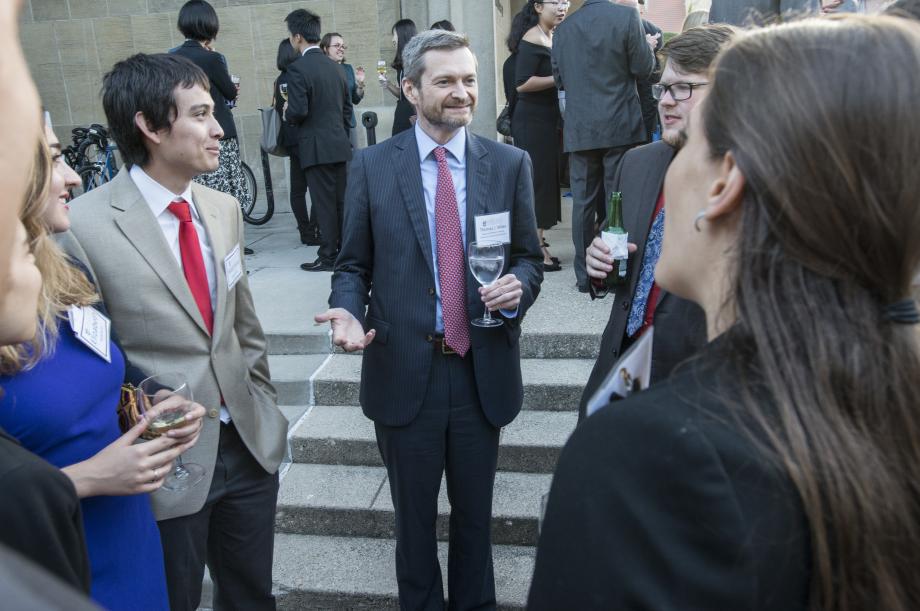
pixel 456 163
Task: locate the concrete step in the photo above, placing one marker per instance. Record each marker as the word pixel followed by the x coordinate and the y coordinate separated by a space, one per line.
pixel 291 376
pixel 355 502
pixel 298 343
pixel 312 572
pixel 547 344
pixel 549 384
pixel 342 435
pixel 293 413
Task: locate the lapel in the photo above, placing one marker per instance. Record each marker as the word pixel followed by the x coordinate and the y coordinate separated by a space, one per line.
pixel 647 194
pixel 409 173
pixel 220 245
pixel 137 222
pixel 477 185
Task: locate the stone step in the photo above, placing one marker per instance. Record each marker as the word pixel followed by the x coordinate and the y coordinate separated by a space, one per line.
pixel 555 345
pixel 298 343
pixel 291 376
pixel 549 384
pixel 352 501
pixel 343 435
pixel 313 572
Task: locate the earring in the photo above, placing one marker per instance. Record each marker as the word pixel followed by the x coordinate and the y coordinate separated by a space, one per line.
pixel 696 220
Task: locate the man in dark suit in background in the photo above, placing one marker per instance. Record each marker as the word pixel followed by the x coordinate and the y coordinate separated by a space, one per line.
pixel 438 389
pixel 680 325
pixel 598 54
pixel 319 104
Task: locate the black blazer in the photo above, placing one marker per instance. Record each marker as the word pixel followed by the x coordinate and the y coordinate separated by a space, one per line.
pixel 222 88
pixel 386 247
pixel 319 105
pixel 663 502
pixel 680 325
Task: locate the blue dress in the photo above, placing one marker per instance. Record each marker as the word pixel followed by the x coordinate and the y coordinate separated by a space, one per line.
pixel 64 410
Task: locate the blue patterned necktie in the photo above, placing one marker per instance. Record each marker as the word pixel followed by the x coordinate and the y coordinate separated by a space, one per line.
pixel 646 276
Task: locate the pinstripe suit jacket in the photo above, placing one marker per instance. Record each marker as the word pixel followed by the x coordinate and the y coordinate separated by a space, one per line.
pixel 385 266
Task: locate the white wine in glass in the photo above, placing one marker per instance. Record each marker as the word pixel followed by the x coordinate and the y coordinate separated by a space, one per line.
pixel 165 399
pixel 487 259
pixel 282 89
pixel 381 67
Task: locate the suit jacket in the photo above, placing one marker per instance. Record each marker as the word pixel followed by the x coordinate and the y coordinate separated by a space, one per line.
pixel 598 54
pixel 319 104
pixel 680 325
pixel 759 12
pixel 161 330
pixel 222 88
pixel 386 247
pixel 665 501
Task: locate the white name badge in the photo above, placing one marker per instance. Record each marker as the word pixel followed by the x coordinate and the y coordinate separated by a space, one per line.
pixel 233 267
pixel 493 227
pixel 93 329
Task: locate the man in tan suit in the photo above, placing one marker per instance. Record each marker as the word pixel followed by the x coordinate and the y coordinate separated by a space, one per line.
pixel 166 253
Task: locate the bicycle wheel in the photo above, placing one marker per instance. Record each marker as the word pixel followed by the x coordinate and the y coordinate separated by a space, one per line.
pixel 91 177
pixel 254 212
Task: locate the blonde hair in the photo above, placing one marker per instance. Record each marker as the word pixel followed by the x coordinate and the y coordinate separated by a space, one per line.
pixel 63 285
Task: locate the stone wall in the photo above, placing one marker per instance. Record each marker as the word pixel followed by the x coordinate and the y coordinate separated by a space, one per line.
pixel 70 44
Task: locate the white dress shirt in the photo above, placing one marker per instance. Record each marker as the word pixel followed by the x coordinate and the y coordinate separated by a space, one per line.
pixel 158 198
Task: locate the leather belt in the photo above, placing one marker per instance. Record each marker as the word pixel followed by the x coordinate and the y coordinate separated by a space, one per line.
pixel 441 346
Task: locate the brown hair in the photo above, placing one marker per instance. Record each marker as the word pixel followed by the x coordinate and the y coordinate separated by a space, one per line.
pixel 828 237
pixel 63 285
pixel 327 40
pixel 696 49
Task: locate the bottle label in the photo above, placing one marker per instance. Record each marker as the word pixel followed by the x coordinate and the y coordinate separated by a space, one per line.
pixel 616 242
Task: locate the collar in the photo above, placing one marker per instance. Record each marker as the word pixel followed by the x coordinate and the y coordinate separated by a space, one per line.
pixel 156 195
pixel 310 48
pixel 456 145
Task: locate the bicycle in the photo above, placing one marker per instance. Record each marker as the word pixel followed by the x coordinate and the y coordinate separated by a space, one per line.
pixel 253 212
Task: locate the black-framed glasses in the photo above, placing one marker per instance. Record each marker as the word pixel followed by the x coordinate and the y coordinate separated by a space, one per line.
pixel 339 46
pixel 558 4
pixel 679 91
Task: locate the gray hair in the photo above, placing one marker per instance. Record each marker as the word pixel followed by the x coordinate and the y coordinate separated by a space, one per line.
pixel 413 55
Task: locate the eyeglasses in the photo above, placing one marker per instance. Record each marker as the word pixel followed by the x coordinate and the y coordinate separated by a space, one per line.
pixel 339 46
pixel 679 91
pixel 558 4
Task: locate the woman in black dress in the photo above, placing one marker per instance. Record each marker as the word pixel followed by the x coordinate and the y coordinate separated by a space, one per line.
pixel 403 31
pixel 535 121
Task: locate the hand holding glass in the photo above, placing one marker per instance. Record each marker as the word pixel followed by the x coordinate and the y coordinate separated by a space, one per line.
pixel 165 399
pixel 487 259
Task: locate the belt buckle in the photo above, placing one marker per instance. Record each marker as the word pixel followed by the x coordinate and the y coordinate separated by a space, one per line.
pixel 445 349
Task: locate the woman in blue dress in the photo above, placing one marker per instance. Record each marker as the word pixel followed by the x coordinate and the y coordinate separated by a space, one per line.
pixel 60 400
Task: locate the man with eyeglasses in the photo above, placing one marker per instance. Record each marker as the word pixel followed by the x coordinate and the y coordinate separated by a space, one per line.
pixel 680 325
pixel 599 52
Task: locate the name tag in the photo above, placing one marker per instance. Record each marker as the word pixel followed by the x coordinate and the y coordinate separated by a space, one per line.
pixel 233 267
pixel 493 227
pixel 93 329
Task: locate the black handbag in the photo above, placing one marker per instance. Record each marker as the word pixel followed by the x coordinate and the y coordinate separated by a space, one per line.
pixel 503 123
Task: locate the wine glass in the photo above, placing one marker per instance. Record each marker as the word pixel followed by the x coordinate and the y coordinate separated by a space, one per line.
pixel 381 67
pixel 487 259
pixel 282 89
pixel 166 399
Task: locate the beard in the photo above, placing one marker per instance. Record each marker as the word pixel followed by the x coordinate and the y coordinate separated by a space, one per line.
pixel 675 138
pixel 437 116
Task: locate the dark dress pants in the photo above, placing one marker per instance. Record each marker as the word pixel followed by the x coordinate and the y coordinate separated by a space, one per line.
pixel 327 193
pixel 233 532
pixel 299 196
pixel 591 176
pixel 450 434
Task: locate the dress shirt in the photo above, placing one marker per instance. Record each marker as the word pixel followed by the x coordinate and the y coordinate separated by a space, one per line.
pixel 304 52
pixel 456 163
pixel 158 199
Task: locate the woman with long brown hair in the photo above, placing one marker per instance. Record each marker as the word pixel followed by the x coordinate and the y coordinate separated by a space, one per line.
pixel 778 468
pixel 60 399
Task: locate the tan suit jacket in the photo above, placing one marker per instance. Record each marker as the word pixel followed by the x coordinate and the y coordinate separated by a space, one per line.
pixel 161 330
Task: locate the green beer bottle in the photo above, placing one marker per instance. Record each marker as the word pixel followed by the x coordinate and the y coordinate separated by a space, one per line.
pixel 615 237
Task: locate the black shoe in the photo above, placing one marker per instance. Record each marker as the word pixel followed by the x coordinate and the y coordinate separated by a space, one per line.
pixel 247 250
pixel 551 267
pixel 545 244
pixel 554 260
pixel 320 265
pixel 312 240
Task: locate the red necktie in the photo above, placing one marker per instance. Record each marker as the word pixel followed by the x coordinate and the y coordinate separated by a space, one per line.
pixel 451 265
pixel 193 262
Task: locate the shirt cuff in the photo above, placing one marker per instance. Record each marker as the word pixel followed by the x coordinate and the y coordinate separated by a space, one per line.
pixel 508 313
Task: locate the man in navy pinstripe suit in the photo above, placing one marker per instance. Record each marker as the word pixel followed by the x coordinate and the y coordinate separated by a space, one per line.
pixel 437 388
